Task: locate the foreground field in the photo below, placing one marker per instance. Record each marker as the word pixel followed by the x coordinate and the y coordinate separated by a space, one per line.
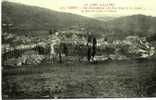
pixel 109 79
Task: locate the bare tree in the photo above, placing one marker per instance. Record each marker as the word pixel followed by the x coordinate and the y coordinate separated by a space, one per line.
pixel 89 45
pixel 94 48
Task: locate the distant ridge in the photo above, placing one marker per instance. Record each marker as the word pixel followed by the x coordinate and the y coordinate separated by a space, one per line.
pixel 30 17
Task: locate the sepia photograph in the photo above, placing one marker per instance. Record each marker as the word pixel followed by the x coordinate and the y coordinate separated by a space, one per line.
pixel 67 49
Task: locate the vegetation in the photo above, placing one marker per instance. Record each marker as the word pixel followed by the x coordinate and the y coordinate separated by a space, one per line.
pixel 109 79
pixel 118 46
pixel 117 28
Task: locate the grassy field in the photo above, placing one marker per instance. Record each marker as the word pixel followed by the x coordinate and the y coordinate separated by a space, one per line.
pixel 109 79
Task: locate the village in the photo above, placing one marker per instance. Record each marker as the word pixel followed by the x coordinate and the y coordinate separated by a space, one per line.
pixel 77 49
pixel 70 44
pixel 59 66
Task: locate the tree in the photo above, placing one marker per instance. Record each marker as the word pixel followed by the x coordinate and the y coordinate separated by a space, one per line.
pixel 53 30
pixel 89 53
pixel 94 47
pixel 60 55
pixel 50 31
pixel 65 49
pixel 89 47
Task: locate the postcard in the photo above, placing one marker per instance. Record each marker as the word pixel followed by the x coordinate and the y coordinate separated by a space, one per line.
pixel 74 49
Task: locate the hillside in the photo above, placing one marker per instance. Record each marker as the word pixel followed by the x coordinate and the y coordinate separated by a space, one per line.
pixel 105 18
pixel 36 18
pixel 133 25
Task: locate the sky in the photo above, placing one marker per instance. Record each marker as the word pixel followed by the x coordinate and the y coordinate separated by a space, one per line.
pixel 96 8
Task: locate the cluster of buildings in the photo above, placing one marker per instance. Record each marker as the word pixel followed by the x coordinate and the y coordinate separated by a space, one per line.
pixel 131 45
